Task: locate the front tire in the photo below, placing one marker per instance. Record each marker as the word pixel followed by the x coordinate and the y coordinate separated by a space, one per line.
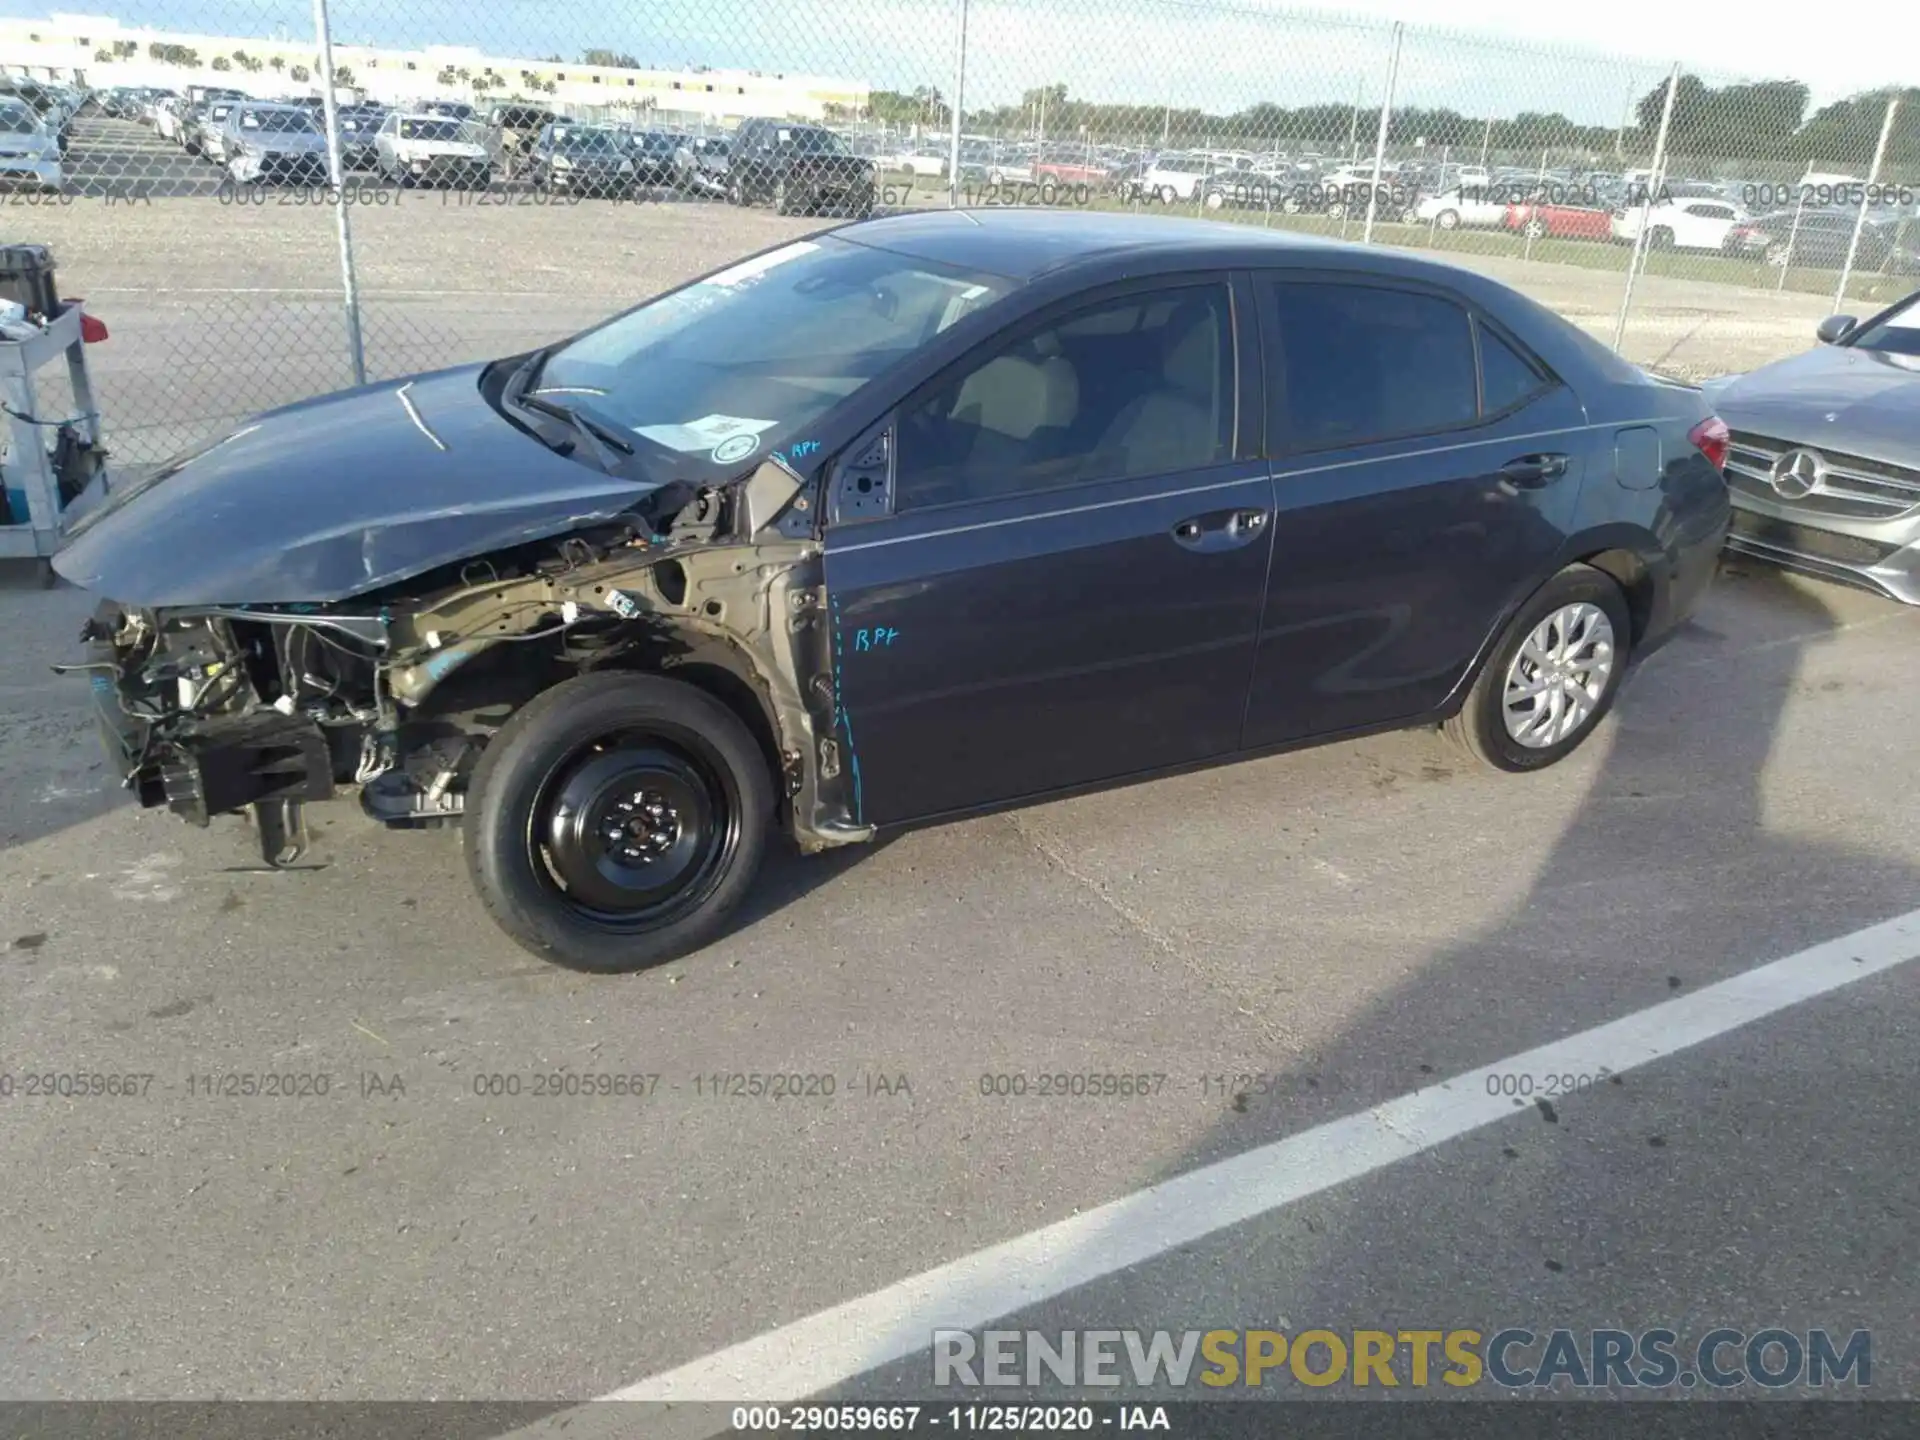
pixel 1448 219
pixel 1551 678
pixel 616 822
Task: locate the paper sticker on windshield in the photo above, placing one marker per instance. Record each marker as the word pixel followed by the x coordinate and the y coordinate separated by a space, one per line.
pixel 736 448
pixel 760 264
pixel 707 433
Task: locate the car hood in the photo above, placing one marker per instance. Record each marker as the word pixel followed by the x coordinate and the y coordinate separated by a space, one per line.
pixel 439 149
pixel 284 140
pixel 1862 402
pixel 336 496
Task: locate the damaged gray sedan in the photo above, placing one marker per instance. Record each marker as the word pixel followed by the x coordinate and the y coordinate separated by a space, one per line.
pixel 906 520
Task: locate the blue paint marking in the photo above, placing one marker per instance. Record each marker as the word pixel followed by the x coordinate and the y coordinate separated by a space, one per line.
pixel 881 637
pixel 840 709
pixel 804 447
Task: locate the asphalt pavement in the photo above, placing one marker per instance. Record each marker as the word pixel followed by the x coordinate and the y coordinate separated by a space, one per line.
pixel 1287 942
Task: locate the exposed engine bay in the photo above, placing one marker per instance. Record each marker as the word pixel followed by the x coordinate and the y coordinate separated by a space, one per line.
pixel 394 694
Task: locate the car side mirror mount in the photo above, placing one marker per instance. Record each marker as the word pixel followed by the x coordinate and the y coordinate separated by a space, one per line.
pixel 860 484
pixel 1835 328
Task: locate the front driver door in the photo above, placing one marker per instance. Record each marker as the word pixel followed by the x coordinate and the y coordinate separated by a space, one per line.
pixel 1065 586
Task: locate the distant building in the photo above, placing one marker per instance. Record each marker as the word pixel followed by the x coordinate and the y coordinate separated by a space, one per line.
pixel 100 51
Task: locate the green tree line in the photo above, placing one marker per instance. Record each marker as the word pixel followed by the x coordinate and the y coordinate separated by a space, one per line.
pixel 1764 121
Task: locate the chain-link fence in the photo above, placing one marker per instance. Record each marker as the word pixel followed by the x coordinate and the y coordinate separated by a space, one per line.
pixel 267 202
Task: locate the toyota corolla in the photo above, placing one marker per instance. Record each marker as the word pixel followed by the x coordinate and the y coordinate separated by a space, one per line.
pixel 911 519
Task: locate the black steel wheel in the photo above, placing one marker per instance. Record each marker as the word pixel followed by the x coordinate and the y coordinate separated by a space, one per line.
pixel 617 820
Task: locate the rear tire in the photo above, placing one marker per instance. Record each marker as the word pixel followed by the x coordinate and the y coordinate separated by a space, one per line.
pixel 1448 219
pixel 1588 615
pixel 616 822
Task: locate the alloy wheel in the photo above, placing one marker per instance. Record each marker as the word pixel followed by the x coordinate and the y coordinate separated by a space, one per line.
pixel 1558 676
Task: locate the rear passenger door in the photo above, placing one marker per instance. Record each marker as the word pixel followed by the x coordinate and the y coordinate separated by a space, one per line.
pixel 1045 568
pixel 1425 471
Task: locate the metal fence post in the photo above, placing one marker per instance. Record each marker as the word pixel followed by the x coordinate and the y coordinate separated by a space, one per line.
pixel 1380 137
pixel 1793 238
pixel 959 100
pixel 1866 199
pixel 1539 201
pixel 337 175
pixel 1646 205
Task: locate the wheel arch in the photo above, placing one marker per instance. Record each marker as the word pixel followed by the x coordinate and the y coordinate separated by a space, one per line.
pixel 1625 555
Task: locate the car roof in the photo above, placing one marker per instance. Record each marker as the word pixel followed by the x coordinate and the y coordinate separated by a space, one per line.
pixel 1021 245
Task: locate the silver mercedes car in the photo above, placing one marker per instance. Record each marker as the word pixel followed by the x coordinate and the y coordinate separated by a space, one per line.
pixel 1824 469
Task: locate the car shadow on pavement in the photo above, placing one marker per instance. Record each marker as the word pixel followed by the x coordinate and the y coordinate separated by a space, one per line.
pixel 1654 1198
pixel 1688 1194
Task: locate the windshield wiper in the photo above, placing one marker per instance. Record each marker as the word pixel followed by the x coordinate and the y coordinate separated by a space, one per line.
pixel 599 434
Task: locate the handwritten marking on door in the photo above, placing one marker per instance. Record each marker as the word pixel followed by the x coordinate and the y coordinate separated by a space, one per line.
pixel 881 637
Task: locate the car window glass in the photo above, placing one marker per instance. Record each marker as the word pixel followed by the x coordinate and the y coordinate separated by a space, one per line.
pixel 1129 387
pixel 1368 363
pixel 1505 378
pixel 1898 334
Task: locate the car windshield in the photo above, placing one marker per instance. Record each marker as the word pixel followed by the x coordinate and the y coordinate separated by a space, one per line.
pixel 278 122
pixel 745 361
pixel 16 118
pixel 584 141
pixel 432 130
pixel 814 142
pixel 1895 334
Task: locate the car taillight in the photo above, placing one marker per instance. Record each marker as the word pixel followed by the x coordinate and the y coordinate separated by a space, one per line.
pixel 1712 439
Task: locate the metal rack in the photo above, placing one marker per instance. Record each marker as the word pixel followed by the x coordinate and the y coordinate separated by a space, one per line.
pixel 28 467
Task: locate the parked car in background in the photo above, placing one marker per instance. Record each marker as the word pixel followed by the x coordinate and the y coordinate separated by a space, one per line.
pixel 1010 165
pixel 47 104
pixel 594 602
pixel 1176 176
pixel 1250 189
pixel 513 128
pixel 658 157
pixel 919 160
pixel 581 160
pixel 1072 165
pixel 1128 179
pixel 798 169
pixel 1463 205
pixel 29 151
pixel 707 161
pixel 1681 223
pixel 359 135
pixel 268 144
pixel 201 135
pixel 1818 239
pixel 1824 467
pixel 415 148
pixel 169 118
pixel 449 109
pixel 1536 218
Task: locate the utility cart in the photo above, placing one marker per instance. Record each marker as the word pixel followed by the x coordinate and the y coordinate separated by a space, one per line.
pixel 43 449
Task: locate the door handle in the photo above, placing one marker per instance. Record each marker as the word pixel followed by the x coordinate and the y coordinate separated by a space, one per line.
pixel 1529 472
pixel 1220 530
pixel 1246 523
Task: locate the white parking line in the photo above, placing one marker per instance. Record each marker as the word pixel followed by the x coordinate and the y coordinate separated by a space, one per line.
pixel 825 1349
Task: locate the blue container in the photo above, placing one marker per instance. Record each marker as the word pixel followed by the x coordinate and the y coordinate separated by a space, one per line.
pixel 17 512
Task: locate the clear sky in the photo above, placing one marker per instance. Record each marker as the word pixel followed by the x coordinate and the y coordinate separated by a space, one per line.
pixel 1482 56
